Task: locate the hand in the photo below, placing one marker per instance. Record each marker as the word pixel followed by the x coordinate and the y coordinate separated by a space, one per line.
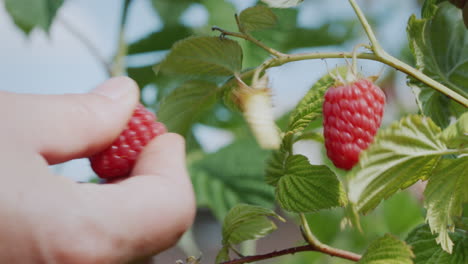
pixel 47 218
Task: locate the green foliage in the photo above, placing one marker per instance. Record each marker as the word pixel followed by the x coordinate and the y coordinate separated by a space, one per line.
pixel 303 187
pixel 445 195
pixel 398 215
pixel 387 249
pixel 276 163
pixel 441 54
pixel 427 251
pixel 310 106
pixel 232 175
pixel 245 222
pixel 401 213
pixel 402 154
pixel 181 108
pixel 196 71
pixel 456 135
pixel 288 35
pixel 257 18
pixel 221 14
pixel 170 11
pixel 159 40
pixel 29 14
pixel 282 3
pixel 203 57
pixel 143 75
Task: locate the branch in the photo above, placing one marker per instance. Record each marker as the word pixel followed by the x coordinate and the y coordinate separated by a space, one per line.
pixel 332 252
pixel 378 54
pixel 270 255
pixel 370 34
pixel 314 245
pixel 386 58
pixel 86 42
pixel 249 38
pixel 320 247
pixel 119 64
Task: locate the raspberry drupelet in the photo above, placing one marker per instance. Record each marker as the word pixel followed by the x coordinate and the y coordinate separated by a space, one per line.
pixel 118 160
pixel 352 115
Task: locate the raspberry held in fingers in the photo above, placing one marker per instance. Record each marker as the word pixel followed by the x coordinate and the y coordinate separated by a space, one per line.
pixel 118 159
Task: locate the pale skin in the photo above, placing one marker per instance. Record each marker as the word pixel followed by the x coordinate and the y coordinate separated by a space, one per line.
pixel 47 218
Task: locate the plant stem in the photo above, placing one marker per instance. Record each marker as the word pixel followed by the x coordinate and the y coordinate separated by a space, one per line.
pixel 323 248
pixel 87 43
pixel 119 64
pixel 188 244
pixel 403 67
pixel 248 247
pixel 250 38
pixel 354 61
pixel 250 259
pixel 320 247
pixel 370 34
pixel 386 58
pixel 379 54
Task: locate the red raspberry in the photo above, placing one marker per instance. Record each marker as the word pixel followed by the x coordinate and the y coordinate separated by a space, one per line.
pixel 118 160
pixel 352 113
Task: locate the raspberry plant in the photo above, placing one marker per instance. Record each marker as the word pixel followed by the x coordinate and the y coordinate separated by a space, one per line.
pixel 222 80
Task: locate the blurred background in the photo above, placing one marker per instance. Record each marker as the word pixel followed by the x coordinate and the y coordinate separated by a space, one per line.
pixel 74 57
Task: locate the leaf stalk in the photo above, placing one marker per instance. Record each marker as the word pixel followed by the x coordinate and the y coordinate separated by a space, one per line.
pixel 119 64
pixel 320 247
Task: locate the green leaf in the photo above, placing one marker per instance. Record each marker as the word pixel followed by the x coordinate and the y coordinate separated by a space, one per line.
pixel 387 249
pixel 170 11
pixel 429 8
pixel 221 14
pixel 427 251
pixel 445 195
pixel 456 135
pixel 300 186
pixel 223 255
pixel 287 35
pixel 183 106
pixel 232 175
pixel 303 187
pixel 402 212
pixel 203 57
pixel 247 222
pixel 143 75
pixel 401 154
pixel 442 55
pixel 29 14
pixel 160 40
pixel 257 18
pixel 282 3
pixel 276 163
pixel 310 107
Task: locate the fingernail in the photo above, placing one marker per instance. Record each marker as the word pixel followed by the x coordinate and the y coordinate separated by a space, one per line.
pixel 115 88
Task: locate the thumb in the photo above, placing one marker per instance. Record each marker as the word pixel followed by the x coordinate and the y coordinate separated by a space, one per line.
pixel 152 209
pixel 64 127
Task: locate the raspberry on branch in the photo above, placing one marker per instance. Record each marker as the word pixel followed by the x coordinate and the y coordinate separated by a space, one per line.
pixel 352 114
pixel 119 158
